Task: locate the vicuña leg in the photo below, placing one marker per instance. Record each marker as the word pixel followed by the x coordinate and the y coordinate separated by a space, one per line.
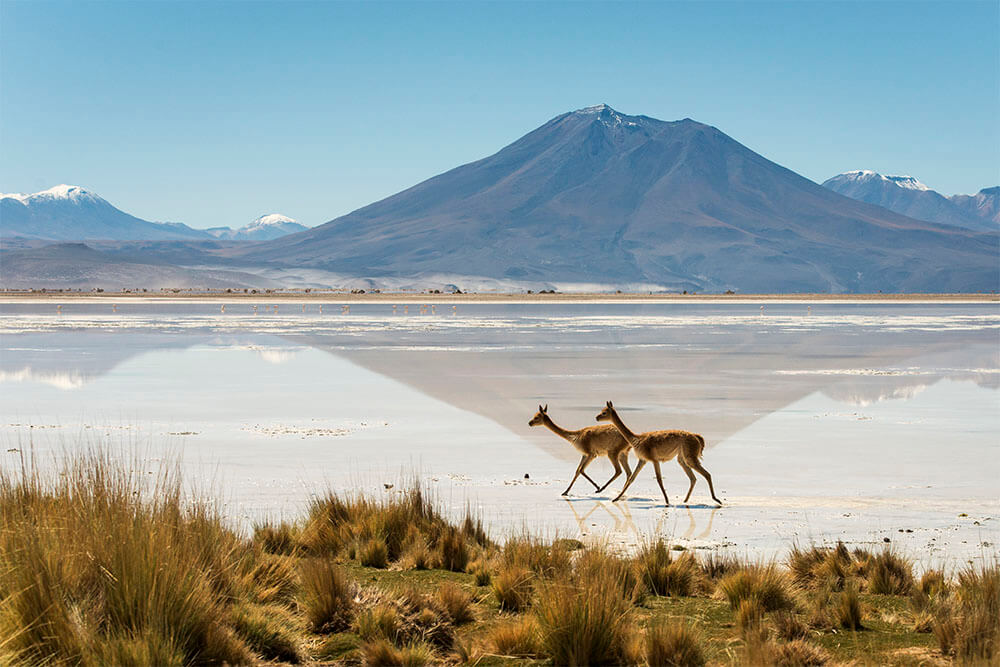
pixel 704 473
pixel 579 471
pixel 659 480
pixel 623 459
pixel 690 474
pixel 618 471
pixel 635 473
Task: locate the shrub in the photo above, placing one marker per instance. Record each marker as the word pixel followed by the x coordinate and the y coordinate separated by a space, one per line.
pixel 327 595
pixel 374 553
pixel 765 583
pixel 512 586
pixel 457 603
pixel 673 644
pixel 517 638
pixel 584 620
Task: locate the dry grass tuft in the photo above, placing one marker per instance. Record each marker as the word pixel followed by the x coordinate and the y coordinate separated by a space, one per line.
pixel 750 617
pixel 968 627
pixel 101 563
pixel 453 551
pixel 276 539
pixel 517 638
pixel 512 586
pixel 481 571
pixel 268 630
pixel 673 644
pixel 383 654
pixel 374 553
pixel 765 583
pixel 888 573
pixel 457 603
pixel 847 609
pixel 583 620
pixel 797 653
pixel 327 595
pixel 789 626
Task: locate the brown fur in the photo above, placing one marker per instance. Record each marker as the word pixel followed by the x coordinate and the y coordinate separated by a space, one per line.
pixel 591 442
pixel 657 446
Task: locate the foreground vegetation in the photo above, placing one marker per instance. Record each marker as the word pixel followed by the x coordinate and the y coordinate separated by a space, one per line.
pixel 100 565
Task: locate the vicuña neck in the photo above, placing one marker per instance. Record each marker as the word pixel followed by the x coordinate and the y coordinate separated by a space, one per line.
pixel 630 437
pixel 558 430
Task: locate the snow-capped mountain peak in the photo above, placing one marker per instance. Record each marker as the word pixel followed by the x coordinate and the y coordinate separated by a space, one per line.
pixel 66 192
pixel 269 219
pixel 866 175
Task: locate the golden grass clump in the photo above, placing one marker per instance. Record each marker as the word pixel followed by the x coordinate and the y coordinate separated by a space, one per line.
pixel 788 625
pixel 767 584
pixel 598 560
pixel 517 638
pixel 327 595
pixel 847 609
pixel 379 621
pixel 374 553
pixel 481 571
pixel 269 630
pixel 457 603
pixel 512 585
pixel 276 539
pixel 381 653
pixel 750 617
pixel 583 620
pixel 664 575
pixel 453 552
pixel 819 567
pixel 797 653
pixel 672 644
pixel 101 563
pixel 888 573
pixel 968 626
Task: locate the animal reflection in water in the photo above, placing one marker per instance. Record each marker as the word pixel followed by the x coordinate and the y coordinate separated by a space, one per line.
pixel 621 515
pixel 591 442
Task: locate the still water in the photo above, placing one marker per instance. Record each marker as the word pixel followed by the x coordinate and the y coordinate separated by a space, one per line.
pixel 825 421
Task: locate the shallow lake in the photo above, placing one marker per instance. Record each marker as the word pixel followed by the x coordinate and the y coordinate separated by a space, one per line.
pixel 825 421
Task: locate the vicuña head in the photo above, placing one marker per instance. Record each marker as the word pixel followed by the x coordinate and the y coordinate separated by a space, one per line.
pixel 540 416
pixel 605 415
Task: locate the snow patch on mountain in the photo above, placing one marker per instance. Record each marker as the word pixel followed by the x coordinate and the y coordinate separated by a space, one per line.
pixel 907 182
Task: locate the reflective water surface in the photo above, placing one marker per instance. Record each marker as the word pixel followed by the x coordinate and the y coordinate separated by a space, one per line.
pixel 828 421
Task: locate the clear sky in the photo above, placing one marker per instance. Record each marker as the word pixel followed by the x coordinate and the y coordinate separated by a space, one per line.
pixel 216 113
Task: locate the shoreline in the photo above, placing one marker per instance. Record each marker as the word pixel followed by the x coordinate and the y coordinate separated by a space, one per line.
pixel 499 298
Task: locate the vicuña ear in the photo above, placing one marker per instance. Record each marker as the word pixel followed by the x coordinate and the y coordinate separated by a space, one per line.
pixel 546 408
pixel 609 404
pixel 540 408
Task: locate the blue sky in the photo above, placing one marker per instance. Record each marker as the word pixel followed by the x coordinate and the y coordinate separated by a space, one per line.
pixel 215 113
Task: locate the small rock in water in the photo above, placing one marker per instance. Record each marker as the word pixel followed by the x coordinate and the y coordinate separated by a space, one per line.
pixel 387 486
pixel 526 476
pixel 885 539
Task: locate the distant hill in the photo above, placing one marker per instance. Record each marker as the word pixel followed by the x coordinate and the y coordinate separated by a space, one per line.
pixel 907 196
pixel 71 213
pixel 601 198
pixel 264 228
pixel 985 204
pixel 77 266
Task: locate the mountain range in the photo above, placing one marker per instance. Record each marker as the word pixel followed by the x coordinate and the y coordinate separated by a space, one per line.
pixel 594 199
pixel 597 198
pixel 910 197
pixel 72 213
